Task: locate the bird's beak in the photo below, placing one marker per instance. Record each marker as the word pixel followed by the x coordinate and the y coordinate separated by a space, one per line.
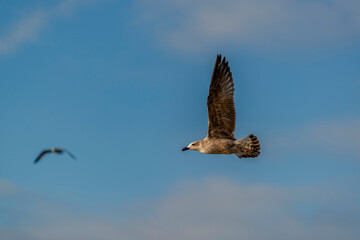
pixel 185 148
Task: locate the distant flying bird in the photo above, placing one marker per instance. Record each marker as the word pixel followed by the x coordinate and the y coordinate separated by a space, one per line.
pixel 222 119
pixel 54 150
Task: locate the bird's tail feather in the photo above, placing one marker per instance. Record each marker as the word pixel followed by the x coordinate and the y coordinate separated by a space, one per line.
pixel 251 147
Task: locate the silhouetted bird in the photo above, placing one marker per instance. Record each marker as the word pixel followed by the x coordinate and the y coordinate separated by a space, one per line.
pixel 54 150
pixel 222 119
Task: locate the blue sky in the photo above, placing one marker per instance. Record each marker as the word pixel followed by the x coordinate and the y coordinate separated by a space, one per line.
pixel 123 85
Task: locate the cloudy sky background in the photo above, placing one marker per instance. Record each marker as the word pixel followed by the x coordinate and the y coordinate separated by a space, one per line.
pixel 123 85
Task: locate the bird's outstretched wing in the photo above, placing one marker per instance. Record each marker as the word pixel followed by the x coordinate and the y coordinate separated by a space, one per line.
pixel 41 155
pixel 70 154
pixel 220 102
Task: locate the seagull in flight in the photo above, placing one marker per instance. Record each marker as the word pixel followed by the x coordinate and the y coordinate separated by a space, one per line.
pixel 53 150
pixel 222 119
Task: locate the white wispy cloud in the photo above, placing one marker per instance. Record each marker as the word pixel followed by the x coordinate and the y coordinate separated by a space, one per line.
pixel 211 209
pixel 338 137
pixel 29 27
pixel 24 30
pixel 6 188
pixel 199 25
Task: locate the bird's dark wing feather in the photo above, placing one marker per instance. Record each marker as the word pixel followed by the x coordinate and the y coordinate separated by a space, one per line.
pixel 41 155
pixel 220 102
pixel 70 154
pixel 59 150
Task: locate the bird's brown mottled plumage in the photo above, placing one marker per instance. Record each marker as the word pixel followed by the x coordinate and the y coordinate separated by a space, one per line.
pixel 220 102
pixel 251 147
pixel 222 118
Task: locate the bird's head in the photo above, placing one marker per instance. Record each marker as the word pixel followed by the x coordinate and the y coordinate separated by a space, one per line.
pixel 193 146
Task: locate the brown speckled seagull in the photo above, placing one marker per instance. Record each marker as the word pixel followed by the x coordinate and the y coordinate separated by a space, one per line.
pixel 222 119
pixel 53 150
